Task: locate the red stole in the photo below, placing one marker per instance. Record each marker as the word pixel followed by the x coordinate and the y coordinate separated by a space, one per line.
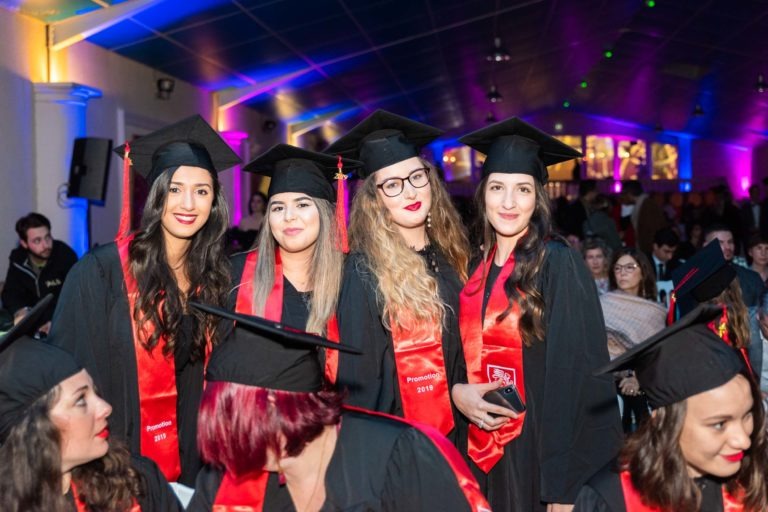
pixel 81 507
pixel 159 439
pixel 493 351
pixel 241 495
pixel 273 309
pixel 634 503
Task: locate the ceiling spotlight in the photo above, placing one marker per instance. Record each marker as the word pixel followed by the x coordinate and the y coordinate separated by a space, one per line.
pixel 498 53
pixel 165 88
pixel 494 96
pixel 761 85
pixel 698 110
pixel 490 118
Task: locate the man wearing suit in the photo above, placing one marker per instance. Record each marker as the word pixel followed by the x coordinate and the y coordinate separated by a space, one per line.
pixel 662 256
pixel 755 213
pixel 751 285
pixel 758 346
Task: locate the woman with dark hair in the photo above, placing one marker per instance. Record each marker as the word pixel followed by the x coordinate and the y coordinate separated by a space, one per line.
pixel 55 451
pixel 704 448
pixel 293 275
pixel 631 315
pixel 401 283
pixel 276 439
pixel 530 317
pixel 123 313
pixel 245 233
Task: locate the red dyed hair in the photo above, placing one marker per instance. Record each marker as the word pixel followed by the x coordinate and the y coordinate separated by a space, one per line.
pixel 238 423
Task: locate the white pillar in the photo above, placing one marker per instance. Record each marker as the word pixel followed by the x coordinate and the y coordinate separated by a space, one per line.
pixel 235 183
pixel 59 120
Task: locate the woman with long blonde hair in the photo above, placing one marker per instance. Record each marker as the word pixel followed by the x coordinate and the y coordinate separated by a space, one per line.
pixel 399 297
pixel 293 275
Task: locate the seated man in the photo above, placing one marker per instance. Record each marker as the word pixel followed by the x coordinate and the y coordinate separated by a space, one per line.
pixel 36 268
pixel 749 280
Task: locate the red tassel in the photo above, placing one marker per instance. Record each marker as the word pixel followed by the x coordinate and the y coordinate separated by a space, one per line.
pixel 341 210
pixel 671 312
pixel 125 209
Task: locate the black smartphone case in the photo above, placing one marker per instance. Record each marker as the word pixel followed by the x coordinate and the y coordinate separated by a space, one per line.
pixel 506 397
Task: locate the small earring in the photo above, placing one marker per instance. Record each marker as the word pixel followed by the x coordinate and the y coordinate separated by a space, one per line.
pixel 429 220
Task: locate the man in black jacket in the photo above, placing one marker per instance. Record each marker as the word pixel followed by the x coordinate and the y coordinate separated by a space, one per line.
pixel 36 268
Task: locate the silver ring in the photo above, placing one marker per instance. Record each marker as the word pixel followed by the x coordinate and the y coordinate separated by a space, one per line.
pixel 481 424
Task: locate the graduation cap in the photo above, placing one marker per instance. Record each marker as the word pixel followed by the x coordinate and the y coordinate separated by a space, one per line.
pixel 268 354
pixel 680 361
pixel 190 142
pixel 383 139
pixel 703 277
pixel 28 368
pixel 515 147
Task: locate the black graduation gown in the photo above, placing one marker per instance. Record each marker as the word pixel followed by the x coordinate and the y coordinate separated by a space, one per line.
pixel 572 425
pixel 92 321
pixel 158 495
pixel 378 464
pixel 603 493
pixel 371 378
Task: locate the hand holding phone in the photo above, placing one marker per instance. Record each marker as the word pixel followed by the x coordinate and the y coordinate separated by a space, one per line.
pixel 508 397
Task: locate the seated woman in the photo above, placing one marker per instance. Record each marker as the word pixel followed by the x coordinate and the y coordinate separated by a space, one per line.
pixel 267 420
pixel 704 448
pixel 597 256
pixel 631 315
pixel 55 451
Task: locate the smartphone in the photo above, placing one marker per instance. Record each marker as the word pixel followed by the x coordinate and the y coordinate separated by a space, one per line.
pixel 505 397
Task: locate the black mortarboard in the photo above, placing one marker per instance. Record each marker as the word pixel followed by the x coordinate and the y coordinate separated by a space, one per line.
pixel 682 360
pixel 383 139
pixel 267 354
pixel 28 368
pixel 190 141
pixel 515 147
pixel 703 277
pixel 293 169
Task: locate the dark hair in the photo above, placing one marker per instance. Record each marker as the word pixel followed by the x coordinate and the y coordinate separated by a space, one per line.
pixel 30 475
pixel 31 221
pixel 160 301
pixel 659 471
pixel 595 242
pixel 587 186
pixel 632 187
pixel 601 203
pixel 756 239
pixel 666 236
pixel 648 279
pixel 522 287
pixel 712 228
pixel 238 423
pixel 264 202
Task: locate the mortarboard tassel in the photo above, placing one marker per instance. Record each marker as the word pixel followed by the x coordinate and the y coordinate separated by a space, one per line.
pixel 125 208
pixel 671 313
pixel 341 210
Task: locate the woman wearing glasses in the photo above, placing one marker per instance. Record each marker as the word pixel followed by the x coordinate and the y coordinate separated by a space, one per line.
pixel 631 315
pixel 399 296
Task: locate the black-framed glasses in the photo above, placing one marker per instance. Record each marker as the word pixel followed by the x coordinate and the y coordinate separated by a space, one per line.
pixel 392 187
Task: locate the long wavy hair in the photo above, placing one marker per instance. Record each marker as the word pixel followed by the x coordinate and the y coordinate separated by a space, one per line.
pixel 31 477
pixel 238 423
pixel 404 283
pixel 522 286
pixel 738 315
pixel 324 273
pixel 160 302
pixel 659 471
pixel 648 276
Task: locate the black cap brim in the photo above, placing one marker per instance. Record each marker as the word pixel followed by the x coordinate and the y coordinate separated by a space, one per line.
pixel 28 325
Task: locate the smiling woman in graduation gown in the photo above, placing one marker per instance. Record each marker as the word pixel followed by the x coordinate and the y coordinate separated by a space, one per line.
pixel 123 314
pixel 265 408
pixel 399 293
pixel 55 450
pixel 704 448
pixel 530 318
pixel 294 274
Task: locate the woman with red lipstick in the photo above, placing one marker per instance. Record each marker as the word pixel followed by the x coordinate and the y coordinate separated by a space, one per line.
pixel 124 315
pixel 704 447
pixel 294 273
pixel 399 293
pixel 55 451
pixel 530 318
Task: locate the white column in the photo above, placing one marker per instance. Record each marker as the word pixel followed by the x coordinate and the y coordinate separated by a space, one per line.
pixel 59 120
pixel 235 183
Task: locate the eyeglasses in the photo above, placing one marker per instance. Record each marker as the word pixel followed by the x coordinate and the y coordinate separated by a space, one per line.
pixel 393 187
pixel 629 267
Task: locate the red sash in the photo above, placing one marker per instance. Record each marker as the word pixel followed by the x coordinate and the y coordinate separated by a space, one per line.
pixel 466 481
pixel 81 507
pixel 273 309
pixel 241 495
pixel 493 351
pixel 634 503
pixel 159 439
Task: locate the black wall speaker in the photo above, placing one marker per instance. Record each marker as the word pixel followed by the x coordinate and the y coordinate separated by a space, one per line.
pixel 89 170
